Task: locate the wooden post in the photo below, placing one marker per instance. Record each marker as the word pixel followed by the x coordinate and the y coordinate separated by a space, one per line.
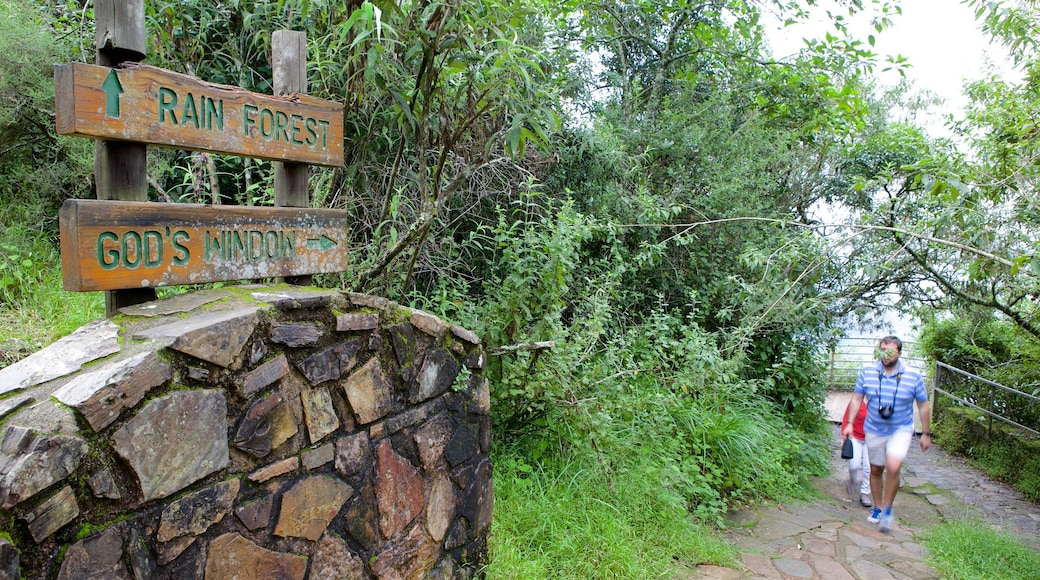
pixel 289 65
pixel 120 170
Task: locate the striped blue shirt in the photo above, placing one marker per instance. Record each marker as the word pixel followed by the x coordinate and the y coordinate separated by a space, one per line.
pixel 910 388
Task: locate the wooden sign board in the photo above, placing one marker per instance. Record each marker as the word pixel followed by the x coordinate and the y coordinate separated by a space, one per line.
pixel 113 245
pixel 151 105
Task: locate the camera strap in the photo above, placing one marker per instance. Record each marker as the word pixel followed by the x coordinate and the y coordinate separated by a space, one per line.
pixel 879 376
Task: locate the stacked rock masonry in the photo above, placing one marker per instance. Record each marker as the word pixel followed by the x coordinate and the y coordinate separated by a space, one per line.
pixel 248 432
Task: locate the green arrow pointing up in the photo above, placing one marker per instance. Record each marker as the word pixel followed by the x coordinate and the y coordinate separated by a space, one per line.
pixel 112 89
pixel 323 244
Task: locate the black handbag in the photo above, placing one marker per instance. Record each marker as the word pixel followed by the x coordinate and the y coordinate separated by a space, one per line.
pixel 846 449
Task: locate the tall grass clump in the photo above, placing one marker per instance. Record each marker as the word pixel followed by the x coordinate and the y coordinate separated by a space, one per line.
pixel 34 309
pixel 968 550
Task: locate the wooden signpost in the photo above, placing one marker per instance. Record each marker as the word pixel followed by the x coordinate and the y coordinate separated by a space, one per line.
pixel 129 247
pixel 107 245
pixel 145 104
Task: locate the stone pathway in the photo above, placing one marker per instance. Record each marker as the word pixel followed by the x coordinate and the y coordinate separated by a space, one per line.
pixel 830 539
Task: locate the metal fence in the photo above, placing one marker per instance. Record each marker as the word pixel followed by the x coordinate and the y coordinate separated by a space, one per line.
pixel 994 400
pixel 850 354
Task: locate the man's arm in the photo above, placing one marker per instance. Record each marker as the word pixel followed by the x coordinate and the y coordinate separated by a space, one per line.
pixel 925 410
pixel 853 410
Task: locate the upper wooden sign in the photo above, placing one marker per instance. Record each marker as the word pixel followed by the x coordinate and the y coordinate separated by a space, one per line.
pixel 115 245
pixel 151 105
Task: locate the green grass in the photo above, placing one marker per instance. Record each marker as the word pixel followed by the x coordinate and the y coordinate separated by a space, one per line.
pixel 573 521
pixel 970 550
pixel 35 310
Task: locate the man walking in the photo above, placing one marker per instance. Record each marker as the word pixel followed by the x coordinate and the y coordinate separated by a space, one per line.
pixel 890 389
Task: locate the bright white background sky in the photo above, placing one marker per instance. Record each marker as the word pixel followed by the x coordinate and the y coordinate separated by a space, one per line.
pixel 945 47
pixel 941 39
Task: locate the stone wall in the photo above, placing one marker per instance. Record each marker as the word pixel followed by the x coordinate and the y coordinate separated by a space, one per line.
pixel 248 432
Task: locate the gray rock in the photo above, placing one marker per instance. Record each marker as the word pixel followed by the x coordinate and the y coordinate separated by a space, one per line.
pixel 88 343
pixel 356 321
pixel 330 364
pixel 437 374
pixel 39 463
pixel 352 453
pixel 100 395
pixel 264 375
pixel 99 557
pixel 10 560
pixel 296 335
pixel 216 337
pixel 175 441
pixel 185 519
pixel 104 485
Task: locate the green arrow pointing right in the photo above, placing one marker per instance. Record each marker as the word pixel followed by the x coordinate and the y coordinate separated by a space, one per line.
pixel 113 89
pixel 323 244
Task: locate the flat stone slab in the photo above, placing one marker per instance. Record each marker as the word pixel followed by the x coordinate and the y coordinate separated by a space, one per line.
pixel 175 441
pixel 102 394
pixel 67 355
pixel 216 337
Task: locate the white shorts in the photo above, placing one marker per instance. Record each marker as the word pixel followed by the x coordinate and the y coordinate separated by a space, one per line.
pixel 881 447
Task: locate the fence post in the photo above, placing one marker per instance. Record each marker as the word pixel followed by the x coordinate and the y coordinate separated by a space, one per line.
pixel 830 378
pixel 935 393
pixel 289 66
pixel 992 409
pixel 120 171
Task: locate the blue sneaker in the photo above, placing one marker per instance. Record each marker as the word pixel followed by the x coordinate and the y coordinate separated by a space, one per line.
pixel 875 516
pixel 885 525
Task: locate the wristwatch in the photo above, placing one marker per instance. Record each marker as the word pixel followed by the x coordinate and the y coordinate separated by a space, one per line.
pixel 928 433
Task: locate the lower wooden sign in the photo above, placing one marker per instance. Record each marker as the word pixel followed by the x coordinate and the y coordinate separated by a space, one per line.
pixel 116 245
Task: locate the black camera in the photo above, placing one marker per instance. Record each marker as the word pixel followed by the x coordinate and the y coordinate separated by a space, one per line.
pixel 885 411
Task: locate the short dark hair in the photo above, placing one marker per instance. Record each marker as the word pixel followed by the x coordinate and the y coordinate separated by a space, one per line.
pixel 890 339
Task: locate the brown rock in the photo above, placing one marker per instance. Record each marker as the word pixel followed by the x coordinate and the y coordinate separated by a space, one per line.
pixel 333 560
pixel 275 469
pixel 399 492
pixel 352 453
pixel 432 439
pixel 232 557
pixel 441 505
pixel 368 392
pixel 315 458
pixel 52 514
pixel 369 301
pixel 466 335
pixel 428 323
pixel 331 363
pixel 175 441
pixel 361 517
pixel 216 337
pixel 319 413
pixel 264 375
pixel 99 557
pixel 296 335
pixel 309 507
pixel 411 558
pixel 102 394
pixel 266 425
pixel 356 321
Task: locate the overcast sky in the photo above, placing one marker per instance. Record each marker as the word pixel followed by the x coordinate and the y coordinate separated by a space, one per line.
pixel 939 37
